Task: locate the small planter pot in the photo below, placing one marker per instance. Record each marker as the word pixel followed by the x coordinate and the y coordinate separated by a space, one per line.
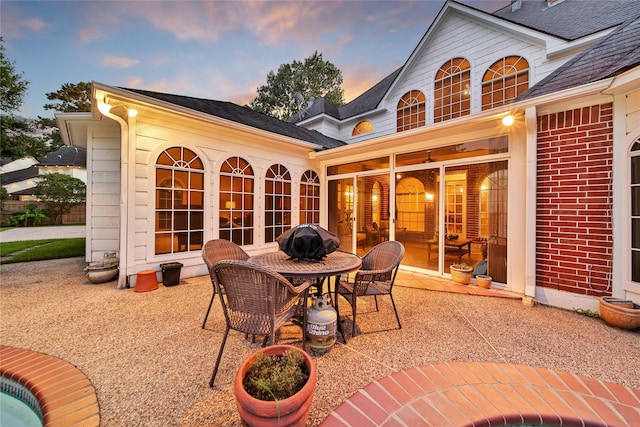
pixel 293 411
pixel 622 314
pixel 461 275
pixel 484 281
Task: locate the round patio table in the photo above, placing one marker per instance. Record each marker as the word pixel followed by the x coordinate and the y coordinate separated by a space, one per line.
pixel 334 264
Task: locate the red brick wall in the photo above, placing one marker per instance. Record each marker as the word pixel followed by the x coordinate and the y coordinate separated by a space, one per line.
pixel 574 200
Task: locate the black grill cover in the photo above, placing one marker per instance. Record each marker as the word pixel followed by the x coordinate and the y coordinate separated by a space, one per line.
pixel 308 242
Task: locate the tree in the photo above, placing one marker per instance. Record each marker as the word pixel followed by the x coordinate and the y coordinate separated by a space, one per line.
pixel 13 87
pixel 312 78
pixel 60 193
pixel 73 98
pixel 17 136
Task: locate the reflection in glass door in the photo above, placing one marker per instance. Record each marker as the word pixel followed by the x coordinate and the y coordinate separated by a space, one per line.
pixel 341 196
pixel 372 214
pixel 416 203
pixel 359 211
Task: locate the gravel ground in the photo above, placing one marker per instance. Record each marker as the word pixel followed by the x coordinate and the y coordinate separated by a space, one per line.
pixel 150 361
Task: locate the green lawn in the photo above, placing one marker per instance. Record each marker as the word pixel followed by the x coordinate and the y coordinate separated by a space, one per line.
pixel 37 250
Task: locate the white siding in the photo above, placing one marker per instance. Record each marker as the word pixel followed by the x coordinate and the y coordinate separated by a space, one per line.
pixel 456 36
pixel 103 190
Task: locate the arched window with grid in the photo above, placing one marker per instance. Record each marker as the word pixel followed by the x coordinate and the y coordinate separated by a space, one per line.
pixel 504 80
pixel 452 90
pixel 277 202
pixel 362 127
pixel 237 201
pixel 635 210
pixel 179 219
pixel 310 198
pixel 411 110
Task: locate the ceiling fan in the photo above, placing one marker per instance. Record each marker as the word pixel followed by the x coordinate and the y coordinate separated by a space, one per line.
pixel 429 159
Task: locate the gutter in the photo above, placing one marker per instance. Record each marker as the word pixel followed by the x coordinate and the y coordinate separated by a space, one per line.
pixel 125 154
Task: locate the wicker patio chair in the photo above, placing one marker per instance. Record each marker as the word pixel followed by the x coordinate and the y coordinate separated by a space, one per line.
pixel 255 300
pixel 218 250
pixel 375 277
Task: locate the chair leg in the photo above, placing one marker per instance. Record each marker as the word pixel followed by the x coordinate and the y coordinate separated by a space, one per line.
pixel 215 369
pixel 396 311
pixel 375 297
pixel 208 310
pixel 353 312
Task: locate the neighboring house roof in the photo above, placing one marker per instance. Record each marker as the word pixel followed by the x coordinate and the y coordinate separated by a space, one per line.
pixel 65 156
pixel 613 55
pixel 570 19
pixel 19 175
pixel 244 115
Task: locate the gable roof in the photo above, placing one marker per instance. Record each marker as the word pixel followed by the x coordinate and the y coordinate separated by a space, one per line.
pixel 367 101
pixel 243 115
pixel 558 20
pixel 561 19
pixel 65 156
pixel 613 55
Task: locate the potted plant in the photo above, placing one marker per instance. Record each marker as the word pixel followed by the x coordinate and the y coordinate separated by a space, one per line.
pixel 461 273
pixel 484 281
pixel 275 386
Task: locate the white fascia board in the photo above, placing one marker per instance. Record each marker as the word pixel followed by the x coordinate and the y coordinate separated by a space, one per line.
pixel 173 108
pixel 73 127
pixel 399 138
pixel 356 118
pixel 561 47
pixel 625 82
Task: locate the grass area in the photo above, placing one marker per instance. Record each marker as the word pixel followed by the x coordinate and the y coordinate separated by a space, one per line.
pixel 38 250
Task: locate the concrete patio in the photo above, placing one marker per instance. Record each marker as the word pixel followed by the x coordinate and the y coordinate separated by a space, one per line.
pixel 150 361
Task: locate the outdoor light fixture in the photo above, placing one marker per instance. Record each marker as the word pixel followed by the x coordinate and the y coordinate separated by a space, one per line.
pixel 104 108
pixel 507 120
pixel 429 197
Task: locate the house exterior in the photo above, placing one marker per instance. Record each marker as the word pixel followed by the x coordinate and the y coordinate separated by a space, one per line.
pixel 513 137
pixel 20 177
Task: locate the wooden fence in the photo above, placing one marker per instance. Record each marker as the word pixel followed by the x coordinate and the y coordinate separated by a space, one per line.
pixel 78 214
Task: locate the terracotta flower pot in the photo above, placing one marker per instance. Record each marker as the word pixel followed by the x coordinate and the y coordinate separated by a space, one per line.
pixel 484 281
pixel 461 275
pixel 620 313
pixel 294 410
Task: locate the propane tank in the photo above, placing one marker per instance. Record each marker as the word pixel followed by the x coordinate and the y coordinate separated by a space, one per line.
pixel 321 323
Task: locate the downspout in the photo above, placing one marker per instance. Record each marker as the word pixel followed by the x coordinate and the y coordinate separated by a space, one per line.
pixel 125 135
pixel 531 121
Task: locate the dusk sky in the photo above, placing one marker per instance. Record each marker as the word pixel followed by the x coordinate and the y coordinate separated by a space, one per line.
pixel 215 49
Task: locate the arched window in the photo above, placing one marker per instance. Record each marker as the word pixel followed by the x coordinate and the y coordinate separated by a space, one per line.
pixel 504 80
pixel 411 111
pixel 362 127
pixel 452 90
pixel 310 198
pixel 277 202
pixel 236 201
pixel 635 211
pixel 179 201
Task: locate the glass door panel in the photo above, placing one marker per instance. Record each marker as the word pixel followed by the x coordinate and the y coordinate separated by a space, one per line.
pixel 372 211
pixel 341 197
pixel 497 207
pixel 416 204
